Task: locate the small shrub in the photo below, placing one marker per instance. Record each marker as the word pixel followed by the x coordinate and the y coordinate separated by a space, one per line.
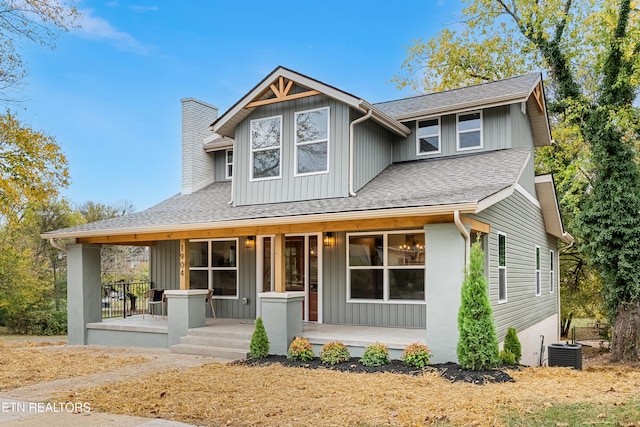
pixel 300 349
pixel 334 352
pixel 41 322
pixel 375 355
pixel 416 355
pixel 507 357
pixel 259 346
pixel 512 343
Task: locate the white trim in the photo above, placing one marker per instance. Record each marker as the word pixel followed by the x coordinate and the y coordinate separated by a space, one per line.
pixel 209 269
pixel 417 127
pixel 458 131
pixel 385 267
pixel 520 189
pixel 251 150
pixel 505 267
pixel 297 144
pixel 538 270
pixel 227 164
pixel 552 271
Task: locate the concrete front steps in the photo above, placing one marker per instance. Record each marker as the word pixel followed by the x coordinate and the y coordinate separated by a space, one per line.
pixel 214 343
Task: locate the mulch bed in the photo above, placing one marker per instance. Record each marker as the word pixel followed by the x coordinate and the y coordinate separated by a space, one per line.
pixel 449 371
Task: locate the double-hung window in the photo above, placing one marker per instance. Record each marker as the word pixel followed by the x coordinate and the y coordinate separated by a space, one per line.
pixel 469 130
pixel 552 273
pixel 266 147
pixel 213 264
pixel 428 135
pixel 502 267
pixel 538 278
pixel 386 266
pixel 228 159
pixel 312 141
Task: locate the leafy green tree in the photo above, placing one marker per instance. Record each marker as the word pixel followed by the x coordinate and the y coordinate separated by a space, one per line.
pixel 590 53
pixel 477 343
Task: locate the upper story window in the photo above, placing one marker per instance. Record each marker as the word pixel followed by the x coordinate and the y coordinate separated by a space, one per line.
pixel 469 130
pixel 312 141
pixel 266 147
pixel 428 135
pixel 228 156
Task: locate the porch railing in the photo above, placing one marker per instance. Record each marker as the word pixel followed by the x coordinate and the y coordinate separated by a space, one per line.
pixel 124 299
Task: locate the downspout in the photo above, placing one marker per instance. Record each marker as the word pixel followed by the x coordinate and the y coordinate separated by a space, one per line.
pixel 57 245
pixel 351 132
pixel 465 234
pixel 233 174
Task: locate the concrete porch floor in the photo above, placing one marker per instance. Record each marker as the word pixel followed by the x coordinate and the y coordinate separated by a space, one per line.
pixel 360 336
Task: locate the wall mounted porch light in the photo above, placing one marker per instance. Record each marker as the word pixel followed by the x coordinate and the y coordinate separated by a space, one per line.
pixel 328 239
pixel 250 242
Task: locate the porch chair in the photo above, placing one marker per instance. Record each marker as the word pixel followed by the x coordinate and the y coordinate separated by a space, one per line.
pixel 155 297
pixel 209 300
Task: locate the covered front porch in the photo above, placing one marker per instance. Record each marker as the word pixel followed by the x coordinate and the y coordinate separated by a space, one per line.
pixel 139 331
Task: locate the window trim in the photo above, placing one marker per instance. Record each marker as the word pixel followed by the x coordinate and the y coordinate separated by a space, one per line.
pixel 252 150
pixel 552 272
pixel 458 131
pixel 502 267
pixel 228 175
pixel 209 269
pixel 385 267
pixel 439 150
pixel 538 264
pixel 298 144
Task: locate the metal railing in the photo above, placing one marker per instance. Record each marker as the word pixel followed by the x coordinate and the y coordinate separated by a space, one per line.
pixel 124 299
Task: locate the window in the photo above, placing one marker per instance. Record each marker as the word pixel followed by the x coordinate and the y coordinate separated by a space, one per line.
pixel 428 136
pixel 538 284
pixel 228 155
pixel 502 268
pixel 470 130
pixel 266 147
pixel 213 264
pixel 312 141
pixel 386 266
pixel 552 276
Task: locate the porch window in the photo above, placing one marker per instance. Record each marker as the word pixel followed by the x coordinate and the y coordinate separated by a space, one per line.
pixel 266 147
pixel 312 141
pixel 428 135
pixel 502 268
pixel 470 130
pixel 213 264
pixel 386 266
pixel 228 156
pixel 552 276
pixel 538 284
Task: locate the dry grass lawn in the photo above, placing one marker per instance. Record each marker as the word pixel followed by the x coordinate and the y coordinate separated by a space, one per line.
pixel 27 362
pixel 273 395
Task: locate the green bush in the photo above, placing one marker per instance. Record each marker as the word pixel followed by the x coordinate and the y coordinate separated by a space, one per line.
pixel 375 355
pixel 259 346
pixel 477 343
pixel 42 322
pixel 416 355
pixel 300 349
pixel 507 357
pixel 512 343
pixel 334 352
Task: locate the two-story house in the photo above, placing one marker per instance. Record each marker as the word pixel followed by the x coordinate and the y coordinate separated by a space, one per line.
pixel 305 204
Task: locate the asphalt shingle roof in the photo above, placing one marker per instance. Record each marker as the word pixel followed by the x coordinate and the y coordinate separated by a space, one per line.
pixel 432 182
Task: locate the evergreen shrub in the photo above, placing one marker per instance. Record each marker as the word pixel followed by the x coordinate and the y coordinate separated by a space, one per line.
pixel 259 346
pixel 512 343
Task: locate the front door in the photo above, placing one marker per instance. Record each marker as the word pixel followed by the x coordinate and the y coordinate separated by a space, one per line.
pixel 302 269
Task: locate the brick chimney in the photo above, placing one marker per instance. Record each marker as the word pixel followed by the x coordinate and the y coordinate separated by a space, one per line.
pixel 197 165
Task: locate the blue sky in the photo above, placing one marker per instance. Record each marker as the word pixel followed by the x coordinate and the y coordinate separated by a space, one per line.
pixel 110 92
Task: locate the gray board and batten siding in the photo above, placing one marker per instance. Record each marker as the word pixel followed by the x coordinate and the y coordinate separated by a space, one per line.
pixel 372 150
pixel 522 223
pixel 289 187
pixel 220 166
pixel 164 271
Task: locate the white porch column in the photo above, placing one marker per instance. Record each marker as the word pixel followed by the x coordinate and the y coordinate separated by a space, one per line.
pixel 186 309
pixel 282 318
pixel 84 299
pixel 445 262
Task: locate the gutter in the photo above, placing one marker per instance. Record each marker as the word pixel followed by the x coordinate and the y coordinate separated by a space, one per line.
pixel 351 133
pixel 57 245
pixel 465 234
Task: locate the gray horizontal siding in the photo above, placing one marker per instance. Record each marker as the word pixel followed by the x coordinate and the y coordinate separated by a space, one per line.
pixel 496 128
pixel 289 187
pixel 522 223
pixel 336 310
